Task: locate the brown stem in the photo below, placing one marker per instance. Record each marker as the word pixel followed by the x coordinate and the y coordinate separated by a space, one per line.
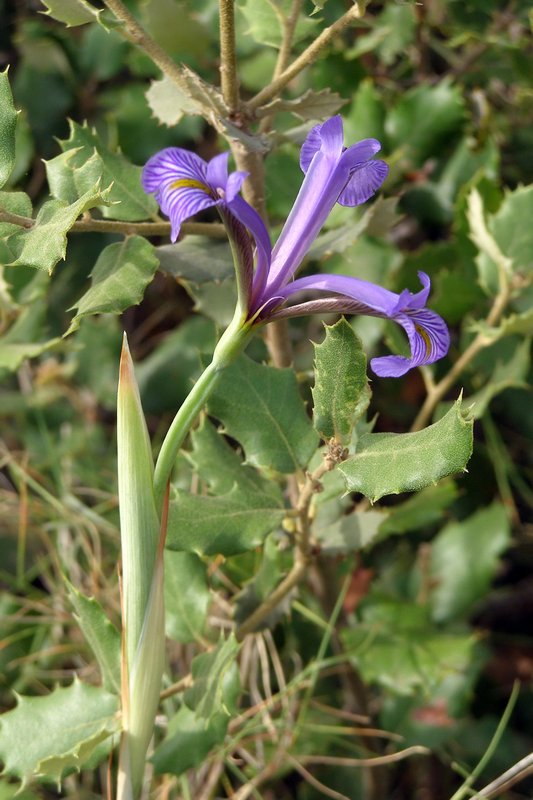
pixel 289 27
pixel 312 485
pixel 228 60
pixel 481 341
pixel 306 58
pixel 89 225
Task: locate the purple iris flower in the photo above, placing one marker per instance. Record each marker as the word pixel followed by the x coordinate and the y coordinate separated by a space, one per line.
pixel 184 184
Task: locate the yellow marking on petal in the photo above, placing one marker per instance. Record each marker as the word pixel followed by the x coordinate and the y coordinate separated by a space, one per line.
pixel 425 336
pixel 190 183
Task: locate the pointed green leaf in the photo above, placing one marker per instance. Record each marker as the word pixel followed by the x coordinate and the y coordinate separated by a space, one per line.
pixel 187 596
pixel 210 692
pixel 71 12
pixel 85 159
pixel 421 510
pixel 464 560
pixel 260 406
pixel 390 463
pixel 229 524
pixel 118 280
pixel 169 104
pixel 101 635
pixel 44 736
pixel 8 123
pixel 44 244
pixel 139 522
pixel 311 105
pixel 341 393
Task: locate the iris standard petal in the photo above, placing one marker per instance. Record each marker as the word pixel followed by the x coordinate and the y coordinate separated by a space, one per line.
pixel 360 152
pixel 332 136
pixel 233 185
pixel 217 170
pixel 365 180
pixel 310 147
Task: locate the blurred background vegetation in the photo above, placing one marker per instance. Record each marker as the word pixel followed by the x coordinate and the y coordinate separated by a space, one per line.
pixel 447 87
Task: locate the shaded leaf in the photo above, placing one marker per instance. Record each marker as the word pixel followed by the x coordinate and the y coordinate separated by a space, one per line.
pixel 8 124
pixel 118 280
pixel 188 741
pixel 425 118
pixel 197 259
pixel 512 372
pixel 264 23
pixel 187 596
pixel 210 692
pixel 390 463
pixel 421 510
pixel 399 634
pixel 229 524
pixel 464 560
pixel 76 720
pixel 260 406
pixel 341 393
pixel 351 533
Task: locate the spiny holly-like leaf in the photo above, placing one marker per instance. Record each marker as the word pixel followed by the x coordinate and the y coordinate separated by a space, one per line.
pixel 71 12
pixel 8 123
pixel 511 373
pixel 511 234
pixel 197 259
pixel 311 105
pixel 45 243
pixel 101 635
pixel 229 524
pixel 169 104
pixel 260 406
pixel 84 161
pixel 188 741
pixel 44 736
pixel 221 466
pixel 341 392
pixel 118 280
pixel 187 596
pixel 390 463
pixel 399 633
pixel 351 533
pixel 208 694
pixel 464 559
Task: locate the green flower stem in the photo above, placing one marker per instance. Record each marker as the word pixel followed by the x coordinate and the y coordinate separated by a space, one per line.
pixel 231 344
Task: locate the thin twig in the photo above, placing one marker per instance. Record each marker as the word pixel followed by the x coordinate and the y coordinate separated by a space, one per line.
pixel 376 761
pixel 312 485
pixel 229 81
pixel 177 687
pixel 289 26
pixel 306 775
pixel 90 225
pixel 516 773
pixel 306 58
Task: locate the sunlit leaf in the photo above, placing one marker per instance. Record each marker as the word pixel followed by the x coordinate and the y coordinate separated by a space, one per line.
pixel 390 463
pixel 76 719
pixel 341 393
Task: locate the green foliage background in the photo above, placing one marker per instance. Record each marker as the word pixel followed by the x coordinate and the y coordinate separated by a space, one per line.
pixel 433 626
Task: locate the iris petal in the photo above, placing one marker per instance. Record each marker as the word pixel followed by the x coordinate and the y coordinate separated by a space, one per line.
pixel 172 164
pixel 364 182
